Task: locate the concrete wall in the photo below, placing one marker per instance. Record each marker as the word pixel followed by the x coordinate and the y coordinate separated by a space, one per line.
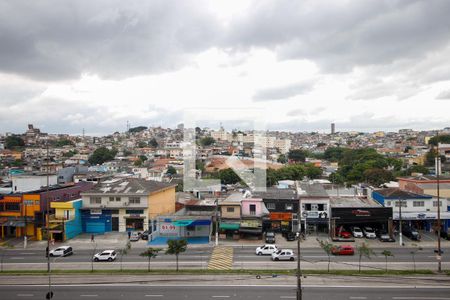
pixel 161 203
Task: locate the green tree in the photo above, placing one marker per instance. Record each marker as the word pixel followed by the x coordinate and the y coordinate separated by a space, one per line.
pixel 413 252
pixel 199 165
pixel 363 251
pixel 417 169
pixel 297 155
pixel 124 251
pixel 387 254
pixel 175 247
pixel 271 177
pixel 142 144
pixel 443 139
pixel 137 129
pixel 207 141
pixel 328 248
pixel 336 178
pixel 313 172
pixel 282 159
pixel 64 142
pixel 430 158
pixel 14 142
pixel 153 143
pixel 228 176
pixel 102 155
pixel 150 253
pixel 377 176
pixel 334 154
pixel 171 170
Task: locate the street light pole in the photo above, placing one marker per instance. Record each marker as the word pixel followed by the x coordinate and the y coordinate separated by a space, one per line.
pixel 25 237
pixel 299 275
pixel 438 169
pixel 217 221
pixel 400 234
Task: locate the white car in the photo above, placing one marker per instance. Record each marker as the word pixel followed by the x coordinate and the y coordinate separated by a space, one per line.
pixel 266 250
pixel 107 255
pixel 369 233
pixel 357 232
pixel 61 251
pixel 283 254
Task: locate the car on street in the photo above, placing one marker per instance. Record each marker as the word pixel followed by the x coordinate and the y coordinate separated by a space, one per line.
pixel 357 232
pixel 135 236
pixel 270 237
pixel 61 251
pixel 266 249
pixel 343 250
pixel 369 233
pixel 144 235
pixel 106 255
pixel 342 233
pixel 411 233
pixel 283 254
pixel 290 236
pixel 383 236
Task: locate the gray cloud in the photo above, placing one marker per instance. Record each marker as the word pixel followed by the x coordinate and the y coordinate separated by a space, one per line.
pixel 48 40
pixel 339 36
pixel 444 95
pixel 284 92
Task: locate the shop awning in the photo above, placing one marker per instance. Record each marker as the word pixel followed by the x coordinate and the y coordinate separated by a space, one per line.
pixel 251 230
pixel 184 223
pixel 229 226
pixel 11 200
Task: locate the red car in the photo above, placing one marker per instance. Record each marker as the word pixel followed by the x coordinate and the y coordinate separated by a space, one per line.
pixel 343 250
pixel 343 234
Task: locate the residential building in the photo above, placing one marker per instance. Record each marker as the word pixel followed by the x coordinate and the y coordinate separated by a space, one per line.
pixel 126 204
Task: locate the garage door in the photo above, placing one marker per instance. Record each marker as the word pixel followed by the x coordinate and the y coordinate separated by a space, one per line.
pixel 95 227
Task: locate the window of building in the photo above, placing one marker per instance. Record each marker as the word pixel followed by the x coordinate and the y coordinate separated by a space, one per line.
pixel 95 200
pixel 321 207
pixel 114 211
pixel 308 206
pixel 230 209
pixel 134 200
pixel 117 199
pixel 252 209
pixel 111 199
pixel 435 203
pixel 418 203
pixel 12 207
pixel 134 211
pixel 404 204
pixel 270 205
pixel 288 206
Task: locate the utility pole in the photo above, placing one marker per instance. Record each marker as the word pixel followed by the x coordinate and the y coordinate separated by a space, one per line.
pixel 217 221
pixel 25 237
pixel 438 170
pixel 400 234
pixel 50 293
pixel 299 275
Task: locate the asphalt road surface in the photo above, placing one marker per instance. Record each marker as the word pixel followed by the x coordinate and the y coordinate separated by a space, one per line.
pixel 119 291
pixel 243 258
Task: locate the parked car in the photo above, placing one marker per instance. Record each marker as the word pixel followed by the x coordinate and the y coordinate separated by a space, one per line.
pixel 145 235
pixel 343 233
pixel 357 232
pixel 411 233
pixel 283 254
pixel 290 236
pixel 343 250
pixel 369 233
pixel 444 235
pixel 106 255
pixel 266 250
pixel 270 237
pixel 135 236
pixel 61 251
pixel 383 236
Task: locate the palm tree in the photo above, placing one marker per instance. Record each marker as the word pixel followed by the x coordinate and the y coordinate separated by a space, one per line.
pixel 387 253
pixel 150 253
pixel 175 247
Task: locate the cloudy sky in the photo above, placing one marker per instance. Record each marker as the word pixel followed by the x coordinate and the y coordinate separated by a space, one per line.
pixel 300 65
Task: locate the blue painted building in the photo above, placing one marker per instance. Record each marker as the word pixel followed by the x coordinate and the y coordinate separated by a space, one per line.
pixel 97 221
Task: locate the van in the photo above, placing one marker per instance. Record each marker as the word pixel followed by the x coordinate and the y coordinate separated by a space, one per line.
pixel 270 237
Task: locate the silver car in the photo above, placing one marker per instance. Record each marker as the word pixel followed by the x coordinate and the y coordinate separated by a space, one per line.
pixel 283 254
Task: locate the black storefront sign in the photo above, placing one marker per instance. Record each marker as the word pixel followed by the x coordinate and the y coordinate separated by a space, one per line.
pixel 352 215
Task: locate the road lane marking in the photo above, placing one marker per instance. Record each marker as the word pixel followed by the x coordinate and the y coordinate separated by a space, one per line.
pixel 287 297
pixel 88 295
pixel 420 298
pixel 153 295
pixel 17 258
pixel 221 296
pixel 357 297
pixel 25 295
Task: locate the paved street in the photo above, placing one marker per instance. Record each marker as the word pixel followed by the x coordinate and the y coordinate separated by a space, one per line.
pixel 240 257
pixel 119 291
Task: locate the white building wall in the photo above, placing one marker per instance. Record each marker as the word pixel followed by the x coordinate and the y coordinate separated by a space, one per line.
pixel 23 183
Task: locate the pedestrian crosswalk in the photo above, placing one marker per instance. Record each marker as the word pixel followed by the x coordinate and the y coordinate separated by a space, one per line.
pixel 221 258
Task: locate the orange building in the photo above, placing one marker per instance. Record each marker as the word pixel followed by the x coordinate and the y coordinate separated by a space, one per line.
pixel 17 216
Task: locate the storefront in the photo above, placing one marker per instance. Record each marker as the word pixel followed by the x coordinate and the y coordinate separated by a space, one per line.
pixel 189 227
pixel 229 230
pixel 278 222
pixel 251 229
pixel 426 221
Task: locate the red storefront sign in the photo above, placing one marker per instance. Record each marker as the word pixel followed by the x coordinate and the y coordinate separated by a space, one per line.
pixel 280 216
